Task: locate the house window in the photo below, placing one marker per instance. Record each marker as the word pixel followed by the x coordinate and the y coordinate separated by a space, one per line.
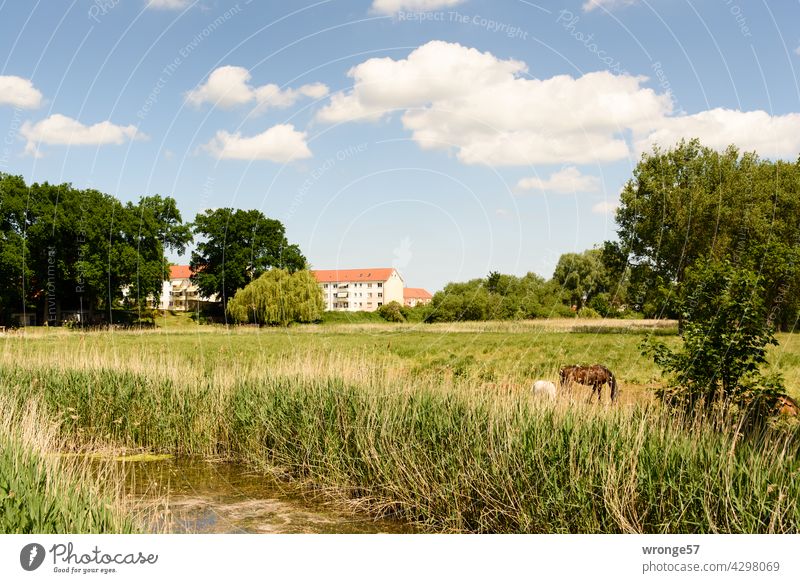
pixel 379 304
pixel 380 285
pixel 325 286
pixel 380 295
pixel 369 295
pixel 369 285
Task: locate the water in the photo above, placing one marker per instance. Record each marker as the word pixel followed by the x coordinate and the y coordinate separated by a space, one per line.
pixel 198 496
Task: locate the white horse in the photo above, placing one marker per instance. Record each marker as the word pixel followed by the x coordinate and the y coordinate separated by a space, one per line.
pixel 544 389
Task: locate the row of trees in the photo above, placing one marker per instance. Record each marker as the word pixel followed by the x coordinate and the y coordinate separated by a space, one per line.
pixel 63 248
pixel 682 208
pixel 581 285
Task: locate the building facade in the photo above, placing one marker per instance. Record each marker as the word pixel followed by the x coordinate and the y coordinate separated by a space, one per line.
pixel 178 293
pixel 357 290
pixel 416 296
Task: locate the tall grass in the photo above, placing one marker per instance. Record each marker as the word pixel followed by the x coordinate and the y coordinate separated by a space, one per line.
pixel 444 451
pixel 45 493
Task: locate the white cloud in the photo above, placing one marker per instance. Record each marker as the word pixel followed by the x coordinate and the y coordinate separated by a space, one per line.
pixel 590 5
pixel 62 130
pixel 605 208
pixel 774 136
pixel 485 109
pixel 168 4
pixel 457 97
pixel 19 92
pixel 797 51
pixel 230 86
pixel 392 6
pixel 280 143
pixel 568 179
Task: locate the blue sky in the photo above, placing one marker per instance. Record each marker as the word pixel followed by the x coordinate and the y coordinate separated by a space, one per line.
pixel 446 138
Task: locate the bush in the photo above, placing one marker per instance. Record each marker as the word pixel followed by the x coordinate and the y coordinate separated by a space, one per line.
pixel 393 312
pixel 588 312
pixel 725 335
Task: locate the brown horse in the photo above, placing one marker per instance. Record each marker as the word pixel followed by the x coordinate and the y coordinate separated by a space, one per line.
pixel 595 376
pixel 785 405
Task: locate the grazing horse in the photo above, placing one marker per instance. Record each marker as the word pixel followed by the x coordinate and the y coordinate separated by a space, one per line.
pixel 595 376
pixel 544 389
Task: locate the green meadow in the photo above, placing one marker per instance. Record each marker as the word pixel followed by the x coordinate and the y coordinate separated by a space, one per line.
pixel 432 424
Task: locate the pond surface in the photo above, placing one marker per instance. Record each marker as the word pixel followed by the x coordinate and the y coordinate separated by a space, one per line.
pixel 221 497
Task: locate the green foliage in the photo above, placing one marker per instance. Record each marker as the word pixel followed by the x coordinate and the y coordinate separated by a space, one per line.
pixel 725 336
pixel 41 498
pixel 582 276
pixel 498 297
pixel 235 247
pixel 80 248
pixel 448 457
pixel 693 203
pixel 588 312
pixel 278 298
pixel 393 312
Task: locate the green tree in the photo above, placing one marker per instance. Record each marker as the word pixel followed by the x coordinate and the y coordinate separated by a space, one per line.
pixel 725 337
pixel 62 247
pixel 278 298
pixel 582 276
pixel 690 203
pixel 235 247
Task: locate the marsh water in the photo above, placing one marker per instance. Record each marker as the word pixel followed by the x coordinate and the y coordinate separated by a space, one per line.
pixel 199 496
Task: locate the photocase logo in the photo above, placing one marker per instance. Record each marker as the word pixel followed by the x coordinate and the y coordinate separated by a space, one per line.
pixel 31 556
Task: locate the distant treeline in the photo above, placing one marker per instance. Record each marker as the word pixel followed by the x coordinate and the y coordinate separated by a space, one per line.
pixel 684 209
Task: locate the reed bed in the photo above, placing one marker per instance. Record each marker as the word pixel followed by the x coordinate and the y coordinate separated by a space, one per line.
pixel 44 492
pixel 451 452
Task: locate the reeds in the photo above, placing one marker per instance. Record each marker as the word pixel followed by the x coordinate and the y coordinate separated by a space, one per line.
pixel 450 452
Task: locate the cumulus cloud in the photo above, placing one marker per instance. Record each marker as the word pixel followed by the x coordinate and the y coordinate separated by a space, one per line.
pixel 489 111
pixel 774 136
pixel 392 6
pixel 229 87
pixel 280 143
pixel 567 179
pixel 590 5
pixel 605 208
pixel 168 4
pixel 64 131
pixel 19 92
pixel 457 97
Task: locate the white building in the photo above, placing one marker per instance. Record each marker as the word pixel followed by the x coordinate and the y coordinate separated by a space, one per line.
pixel 179 293
pixel 359 290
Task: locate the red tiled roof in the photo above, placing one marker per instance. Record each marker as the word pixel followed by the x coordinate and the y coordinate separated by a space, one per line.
pixel 336 275
pixel 416 293
pixel 179 272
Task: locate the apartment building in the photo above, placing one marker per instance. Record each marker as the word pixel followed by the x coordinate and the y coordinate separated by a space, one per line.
pixel 357 290
pixel 416 296
pixel 179 293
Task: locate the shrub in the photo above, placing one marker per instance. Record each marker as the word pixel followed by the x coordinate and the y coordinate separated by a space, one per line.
pixel 393 312
pixel 725 335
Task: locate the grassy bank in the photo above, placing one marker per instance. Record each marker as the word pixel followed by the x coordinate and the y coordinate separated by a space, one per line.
pixel 450 451
pixel 46 493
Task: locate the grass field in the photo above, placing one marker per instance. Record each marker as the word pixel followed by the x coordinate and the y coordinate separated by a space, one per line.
pixel 431 423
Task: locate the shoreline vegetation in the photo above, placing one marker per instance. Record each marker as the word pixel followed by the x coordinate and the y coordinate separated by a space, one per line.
pixel 419 424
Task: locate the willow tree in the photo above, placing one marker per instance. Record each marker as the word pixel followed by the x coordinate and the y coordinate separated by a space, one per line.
pixel 278 298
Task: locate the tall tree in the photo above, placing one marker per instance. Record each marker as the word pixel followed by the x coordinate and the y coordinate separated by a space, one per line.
pixel 62 247
pixel 691 202
pixel 236 247
pixel 582 276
